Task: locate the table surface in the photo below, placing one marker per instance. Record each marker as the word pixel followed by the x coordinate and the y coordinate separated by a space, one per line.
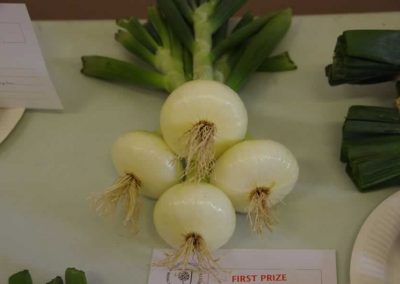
pixel 54 161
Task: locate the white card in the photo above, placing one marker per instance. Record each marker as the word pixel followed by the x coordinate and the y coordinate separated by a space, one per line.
pixel 256 267
pixel 24 80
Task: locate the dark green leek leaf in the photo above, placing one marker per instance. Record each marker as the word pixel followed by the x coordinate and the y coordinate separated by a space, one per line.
pixel 365 57
pixel 375 173
pixel 371 121
pixel 371 146
pixel 373 113
pixel 359 127
pixel 376 45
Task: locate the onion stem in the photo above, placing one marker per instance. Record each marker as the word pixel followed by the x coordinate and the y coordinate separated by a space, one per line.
pixel 159 25
pixel 177 22
pixel 189 40
pixel 134 46
pixel 259 48
pixel 116 70
pixel 202 45
pixel 139 32
pixel 277 63
pixel 223 11
pixel 166 63
pixel 185 9
pixel 239 36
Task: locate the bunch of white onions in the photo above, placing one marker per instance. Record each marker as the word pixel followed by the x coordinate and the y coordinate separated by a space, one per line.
pixel 204 124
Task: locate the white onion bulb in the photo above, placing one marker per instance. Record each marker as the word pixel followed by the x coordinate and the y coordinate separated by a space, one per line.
pixel 146 165
pixel 194 218
pixel 146 155
pixel 256 175
pixel 201 119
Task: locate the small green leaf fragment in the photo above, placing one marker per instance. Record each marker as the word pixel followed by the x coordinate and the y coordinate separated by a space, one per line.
pixel 75 276
pixel 22 277
pixel 57 280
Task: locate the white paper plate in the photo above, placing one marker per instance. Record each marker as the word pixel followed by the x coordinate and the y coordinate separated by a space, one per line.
pixel 376 252
pixel 9 117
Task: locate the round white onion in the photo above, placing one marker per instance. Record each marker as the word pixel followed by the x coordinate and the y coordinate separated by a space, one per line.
pixel 201 119
pixel 146 165
pixel 256 175
pixel 194 218
pixel 149 159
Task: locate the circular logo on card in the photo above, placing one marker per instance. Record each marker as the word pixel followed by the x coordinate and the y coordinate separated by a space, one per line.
pixel 186 276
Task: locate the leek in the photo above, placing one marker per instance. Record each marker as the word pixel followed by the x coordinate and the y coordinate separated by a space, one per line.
pixel 371 135
pixel 375 173
pixel 365 57
pixel 371 146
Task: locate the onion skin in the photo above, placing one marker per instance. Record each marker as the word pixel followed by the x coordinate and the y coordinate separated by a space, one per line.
pixel 146 156
pixel 203 100
pixel 198 208
pixel 255 164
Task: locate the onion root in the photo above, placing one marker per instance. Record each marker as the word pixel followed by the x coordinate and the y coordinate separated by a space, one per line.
pixel 200 151
pixel 259 212
pixel 193 254
pixel 125 190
